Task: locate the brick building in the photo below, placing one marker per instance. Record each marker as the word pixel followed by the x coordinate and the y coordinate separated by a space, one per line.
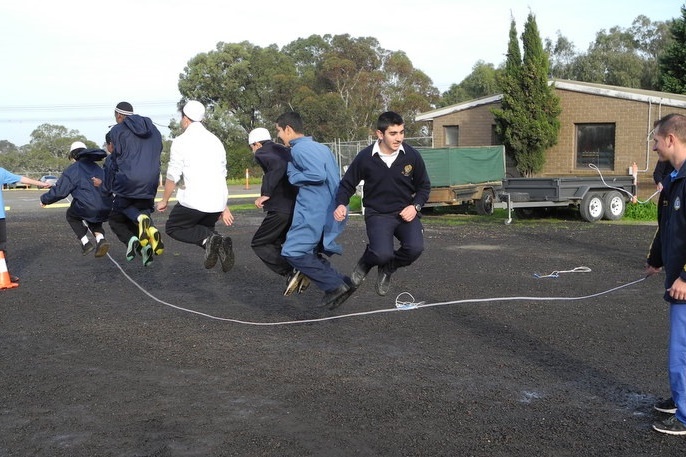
pixel 603 125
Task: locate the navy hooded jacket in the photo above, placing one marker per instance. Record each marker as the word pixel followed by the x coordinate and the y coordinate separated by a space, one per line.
pixel 133 169
pixel 89 203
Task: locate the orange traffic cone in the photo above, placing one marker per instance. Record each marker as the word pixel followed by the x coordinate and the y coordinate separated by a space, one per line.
pixel 5 281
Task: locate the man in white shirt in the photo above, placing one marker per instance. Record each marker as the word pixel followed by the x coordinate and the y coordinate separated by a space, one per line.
pixel 197 168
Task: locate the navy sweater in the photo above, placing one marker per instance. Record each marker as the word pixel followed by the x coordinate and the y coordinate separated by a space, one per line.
pixel 386 190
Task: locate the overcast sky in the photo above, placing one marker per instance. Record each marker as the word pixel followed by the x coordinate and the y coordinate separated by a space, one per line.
pixel 69 62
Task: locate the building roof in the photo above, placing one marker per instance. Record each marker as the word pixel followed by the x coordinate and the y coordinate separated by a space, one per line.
pixel 641 95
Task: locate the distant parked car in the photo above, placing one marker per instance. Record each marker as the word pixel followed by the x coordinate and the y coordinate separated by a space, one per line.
pixel 50 179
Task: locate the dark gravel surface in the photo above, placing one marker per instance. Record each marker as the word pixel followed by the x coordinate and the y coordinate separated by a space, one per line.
pixel 102 357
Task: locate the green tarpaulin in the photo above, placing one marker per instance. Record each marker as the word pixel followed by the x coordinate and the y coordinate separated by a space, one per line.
pixel 464 165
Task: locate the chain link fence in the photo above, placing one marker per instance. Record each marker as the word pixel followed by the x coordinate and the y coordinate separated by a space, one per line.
pixel 345 151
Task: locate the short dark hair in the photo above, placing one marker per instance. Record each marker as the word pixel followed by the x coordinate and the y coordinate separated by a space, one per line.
pixel 387 119
pixel 672 123
pixel 291 118
pixel 108 138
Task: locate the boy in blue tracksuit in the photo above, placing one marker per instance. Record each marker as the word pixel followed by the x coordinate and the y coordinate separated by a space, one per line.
pixel 312 235
pixel 89 205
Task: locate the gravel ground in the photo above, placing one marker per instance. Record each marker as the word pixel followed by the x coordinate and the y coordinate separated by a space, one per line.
pixel 103 357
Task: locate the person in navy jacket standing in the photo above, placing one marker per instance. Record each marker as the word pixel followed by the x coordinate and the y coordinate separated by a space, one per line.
pixel 396 186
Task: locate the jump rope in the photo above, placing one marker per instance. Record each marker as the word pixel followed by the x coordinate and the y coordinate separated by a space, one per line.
pixel 405 301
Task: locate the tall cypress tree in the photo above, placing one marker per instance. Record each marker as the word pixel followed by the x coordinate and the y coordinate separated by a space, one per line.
pixel 528 120
pixel 673 60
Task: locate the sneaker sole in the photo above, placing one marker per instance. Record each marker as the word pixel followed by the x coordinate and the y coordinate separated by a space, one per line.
pixel 212 252
pixel 155 240
pixel 665 410
pixel 146 253
pixel 293 284
pixel 143 227
pixel 102 250
pixel 669 432
pixel 226 256
pixel 131 251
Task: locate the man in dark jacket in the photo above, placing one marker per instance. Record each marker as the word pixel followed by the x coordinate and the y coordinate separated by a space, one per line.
pixel 668 251
pixel 396 186
pixel 132 175
pixel 277 198
pixel 89 203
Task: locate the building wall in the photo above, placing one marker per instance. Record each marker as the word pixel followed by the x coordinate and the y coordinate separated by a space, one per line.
pixel 633 122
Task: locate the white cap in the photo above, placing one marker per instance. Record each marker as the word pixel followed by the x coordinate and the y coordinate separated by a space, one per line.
pixel 76 145
pixel 259 134
pixel 194 110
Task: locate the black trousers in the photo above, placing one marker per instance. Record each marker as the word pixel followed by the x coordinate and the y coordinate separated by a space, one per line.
pixel 382 229
pixel 190 225
pixel 268 239
pixel 76 224
pixel 121 224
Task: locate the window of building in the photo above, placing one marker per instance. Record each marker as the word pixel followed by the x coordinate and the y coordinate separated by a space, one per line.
pixel 452 134
pixel 595 144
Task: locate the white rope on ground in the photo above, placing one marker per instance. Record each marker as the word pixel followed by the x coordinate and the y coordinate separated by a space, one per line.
pixel 556 274
pixel 633 197
pixel 400 305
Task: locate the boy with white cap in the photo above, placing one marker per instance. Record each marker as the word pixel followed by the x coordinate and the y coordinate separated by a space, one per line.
pixel 89 205
pixel 198 157
pixel 277 198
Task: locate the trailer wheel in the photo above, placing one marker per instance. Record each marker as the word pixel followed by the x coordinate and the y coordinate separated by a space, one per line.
pixel 484 206
pixel 614 206
pixel 592 208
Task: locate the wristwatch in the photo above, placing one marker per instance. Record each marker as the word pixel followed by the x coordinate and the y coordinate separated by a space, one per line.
pixel 418 207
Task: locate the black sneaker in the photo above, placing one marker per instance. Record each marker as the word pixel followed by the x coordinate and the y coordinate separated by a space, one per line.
pixel 670 426
pixel 293 282
pixel 212 246
pixel 359 273
pixel 226 256
pixel 665 406
pixel 133 248
pixel 87 248
pixel 336 297
pixel 383 282
pixel 102 247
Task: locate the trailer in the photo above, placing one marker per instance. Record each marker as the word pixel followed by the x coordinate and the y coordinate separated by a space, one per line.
pixel 465 175
pixel 595 197
pixel 477 175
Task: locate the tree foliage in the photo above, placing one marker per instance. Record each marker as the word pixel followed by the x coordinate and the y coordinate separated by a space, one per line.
pixel 47 151
pixel 625 57
pixel 672 62
pixel 481 82
pixel 528 118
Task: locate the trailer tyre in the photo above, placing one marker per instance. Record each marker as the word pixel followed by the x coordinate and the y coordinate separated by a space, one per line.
pixel 615 205
pixel 484 206
pixel 592 208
